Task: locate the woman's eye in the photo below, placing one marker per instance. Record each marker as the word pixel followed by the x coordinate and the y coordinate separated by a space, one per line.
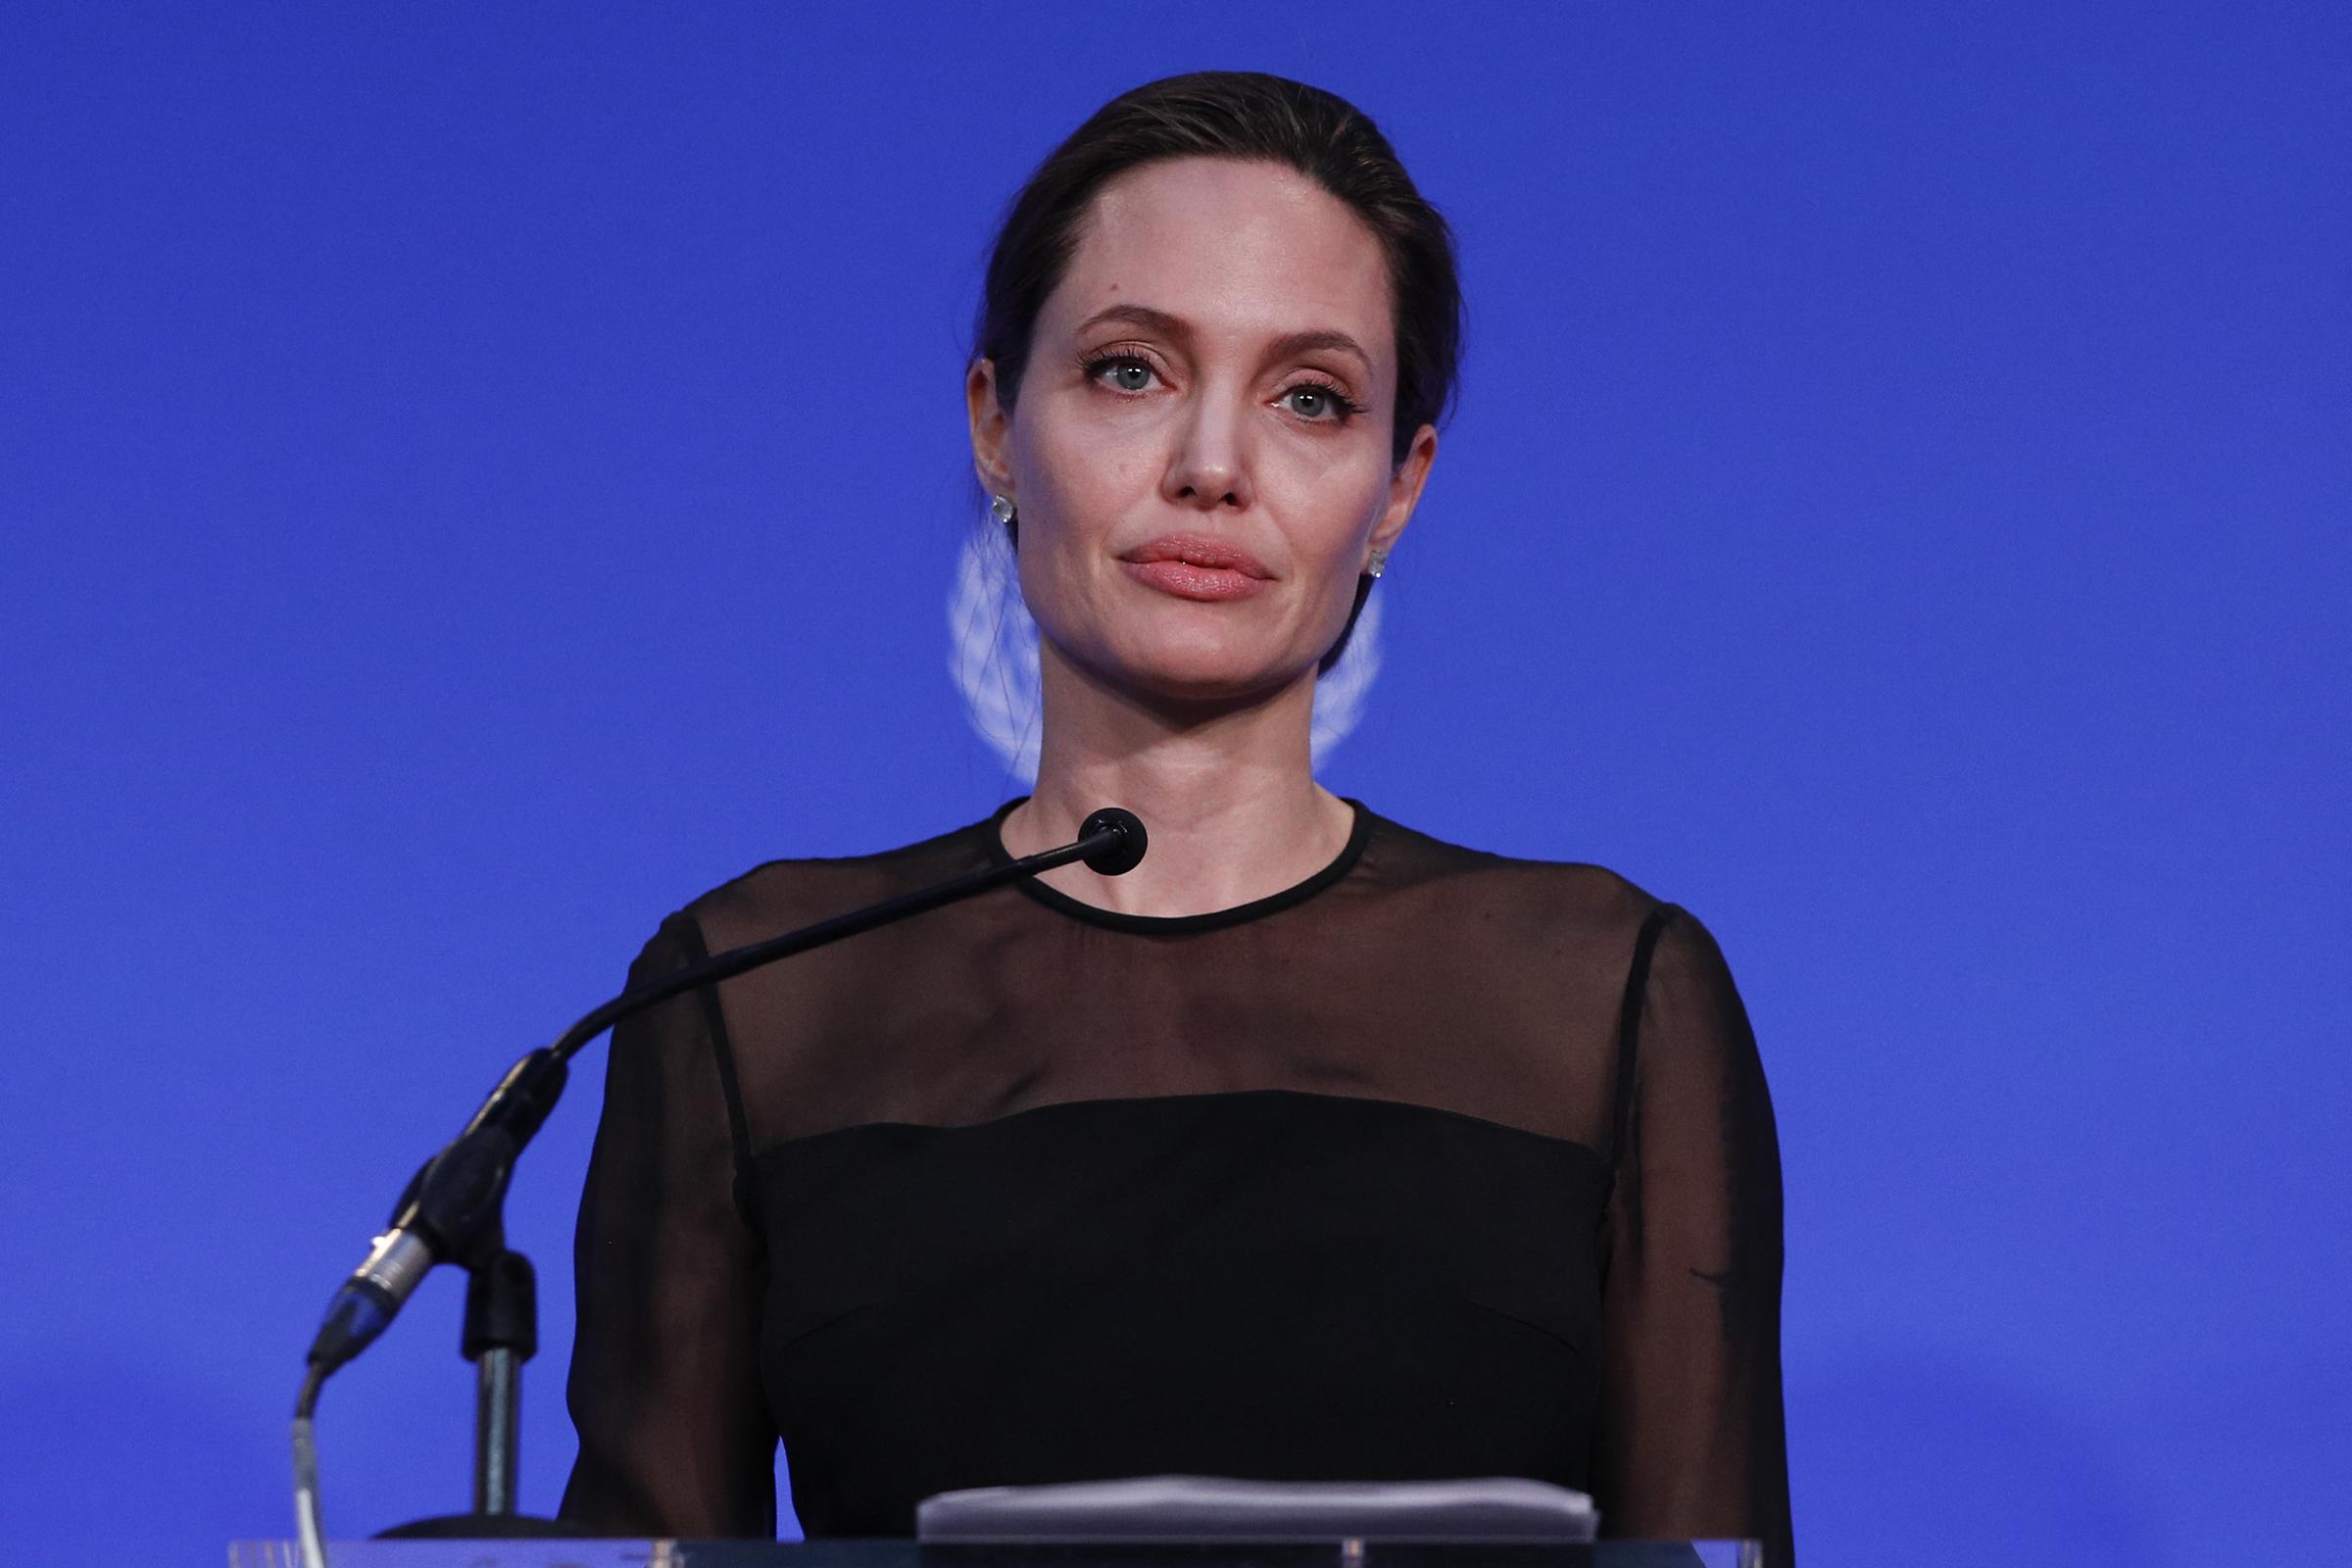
pixel 1322 404
pixel 1127 375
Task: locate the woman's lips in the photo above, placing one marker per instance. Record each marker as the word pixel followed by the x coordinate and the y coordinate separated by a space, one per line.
pixel 1187 581
pixel 1192 566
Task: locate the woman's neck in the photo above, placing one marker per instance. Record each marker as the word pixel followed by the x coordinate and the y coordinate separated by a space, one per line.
pixel 1230 801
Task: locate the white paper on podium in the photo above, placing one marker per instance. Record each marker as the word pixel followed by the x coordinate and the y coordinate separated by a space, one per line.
pixel 1492 1508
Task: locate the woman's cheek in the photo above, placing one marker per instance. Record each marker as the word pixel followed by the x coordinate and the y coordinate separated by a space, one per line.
pixel 1038 562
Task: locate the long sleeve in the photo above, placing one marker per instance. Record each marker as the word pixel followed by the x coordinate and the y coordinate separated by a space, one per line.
pixel 1691 1441
pixel 675 1434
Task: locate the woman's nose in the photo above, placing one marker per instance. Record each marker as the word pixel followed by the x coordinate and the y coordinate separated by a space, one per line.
pixel 1209 467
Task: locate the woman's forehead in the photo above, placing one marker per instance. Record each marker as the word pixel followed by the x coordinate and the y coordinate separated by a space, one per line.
pixel 1235 249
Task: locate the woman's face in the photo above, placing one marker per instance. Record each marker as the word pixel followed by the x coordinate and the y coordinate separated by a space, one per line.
pixel 1200 442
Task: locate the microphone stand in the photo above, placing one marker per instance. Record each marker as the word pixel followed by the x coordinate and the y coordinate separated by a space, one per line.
pixel 501 1333
pixel 453 1211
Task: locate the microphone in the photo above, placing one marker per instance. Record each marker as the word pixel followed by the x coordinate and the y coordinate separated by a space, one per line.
pixel 1124 852
pixel 451 1209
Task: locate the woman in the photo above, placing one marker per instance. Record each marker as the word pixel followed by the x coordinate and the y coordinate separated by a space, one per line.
pixel 1313 1148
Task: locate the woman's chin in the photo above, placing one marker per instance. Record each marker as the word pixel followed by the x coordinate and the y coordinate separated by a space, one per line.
pixel 1209 683
pixel 1216 680
pixel 1216 675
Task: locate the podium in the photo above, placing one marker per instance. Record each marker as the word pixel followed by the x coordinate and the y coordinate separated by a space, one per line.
pixel 1165 1521
pixel 909 1554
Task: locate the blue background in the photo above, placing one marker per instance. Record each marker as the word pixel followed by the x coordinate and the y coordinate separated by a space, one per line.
pixel 474 477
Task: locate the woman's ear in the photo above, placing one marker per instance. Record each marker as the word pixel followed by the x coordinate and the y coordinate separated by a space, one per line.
pixel 992 427
pixel 1404 491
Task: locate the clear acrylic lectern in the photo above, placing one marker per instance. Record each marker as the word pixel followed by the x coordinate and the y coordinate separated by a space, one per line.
pixel 906 1554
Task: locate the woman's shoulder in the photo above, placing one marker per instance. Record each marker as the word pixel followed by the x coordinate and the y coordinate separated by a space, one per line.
pixel 1623 952
pixel 1577 909
pixel 781 893
pixel 1586 890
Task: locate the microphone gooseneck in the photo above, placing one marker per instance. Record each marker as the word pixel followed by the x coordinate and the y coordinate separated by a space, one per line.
pixel 451 1208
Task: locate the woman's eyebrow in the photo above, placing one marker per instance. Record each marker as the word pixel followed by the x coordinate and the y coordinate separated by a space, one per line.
pixel 1170 327
pixel 1294 343
pixel 1143 316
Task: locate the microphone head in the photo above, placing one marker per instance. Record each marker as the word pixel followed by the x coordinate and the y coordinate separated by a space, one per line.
pixel 1122 853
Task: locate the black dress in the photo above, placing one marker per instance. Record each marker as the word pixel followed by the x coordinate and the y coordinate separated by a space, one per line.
pixel 1437 1163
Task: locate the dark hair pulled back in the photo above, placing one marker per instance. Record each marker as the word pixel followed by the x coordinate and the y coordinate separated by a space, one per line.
pixel 1242 115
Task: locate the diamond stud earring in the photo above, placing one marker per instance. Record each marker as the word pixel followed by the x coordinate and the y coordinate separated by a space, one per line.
pixel 1380 562
pixel 1003 506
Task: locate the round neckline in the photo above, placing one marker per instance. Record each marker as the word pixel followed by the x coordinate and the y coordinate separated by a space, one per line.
pixel 992 840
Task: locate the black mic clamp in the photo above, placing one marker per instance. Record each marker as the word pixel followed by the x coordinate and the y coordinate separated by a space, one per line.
pixel 450 1210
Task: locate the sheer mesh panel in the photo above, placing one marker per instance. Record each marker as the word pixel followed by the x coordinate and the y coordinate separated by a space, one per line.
pixel 1350 1182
